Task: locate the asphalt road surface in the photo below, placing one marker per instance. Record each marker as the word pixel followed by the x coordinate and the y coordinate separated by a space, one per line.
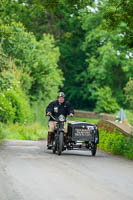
pixel 28 171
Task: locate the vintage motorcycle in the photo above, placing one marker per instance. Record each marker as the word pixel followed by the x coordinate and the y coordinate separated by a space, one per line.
pixel 80 135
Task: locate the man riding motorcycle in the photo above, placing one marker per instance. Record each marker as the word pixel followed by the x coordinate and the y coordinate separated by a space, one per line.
pixel 56 108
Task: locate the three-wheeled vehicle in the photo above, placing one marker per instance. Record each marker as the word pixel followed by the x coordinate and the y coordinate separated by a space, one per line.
pixel 79 136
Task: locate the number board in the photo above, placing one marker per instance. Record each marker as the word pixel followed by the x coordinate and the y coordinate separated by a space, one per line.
pixel 82 132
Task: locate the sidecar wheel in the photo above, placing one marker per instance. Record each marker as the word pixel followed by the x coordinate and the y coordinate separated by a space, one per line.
pixel 94 149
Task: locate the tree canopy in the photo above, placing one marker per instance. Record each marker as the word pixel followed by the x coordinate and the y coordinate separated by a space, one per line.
pixel 77 46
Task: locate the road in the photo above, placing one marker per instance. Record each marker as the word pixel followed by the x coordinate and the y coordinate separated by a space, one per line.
pixel 28 171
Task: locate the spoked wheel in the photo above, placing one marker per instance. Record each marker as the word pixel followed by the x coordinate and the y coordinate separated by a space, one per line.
pixel 60 143
pixel 94 149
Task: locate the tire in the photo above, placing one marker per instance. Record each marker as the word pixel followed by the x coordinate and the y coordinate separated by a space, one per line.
pixel 94 149
pixel 60 143
pixel 54 148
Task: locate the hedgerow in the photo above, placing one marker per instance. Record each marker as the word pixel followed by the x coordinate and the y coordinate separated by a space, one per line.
pixel 116 143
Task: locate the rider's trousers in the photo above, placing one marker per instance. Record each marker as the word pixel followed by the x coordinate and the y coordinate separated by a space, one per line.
pixel 52 126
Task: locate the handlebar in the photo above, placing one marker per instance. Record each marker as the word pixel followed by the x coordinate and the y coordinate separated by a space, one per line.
pixel 53 117
pixel 50 115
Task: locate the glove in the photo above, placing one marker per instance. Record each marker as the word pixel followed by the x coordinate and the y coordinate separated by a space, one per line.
pixel 71 115
pixel 48 113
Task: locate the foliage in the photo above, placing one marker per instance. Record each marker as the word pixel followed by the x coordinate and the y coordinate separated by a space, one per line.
pixel 1 132
pixel 14 104
pixel 14 107
pixel 18 131
pixel 119 13
pixel 109 60
pixel 38 110
pixel 20 105
pixel 8 73
pixel 10 76
pixel 116 143
pixel 3 60
pixel 95 47
pixel 105 102
pixel 129 115
pixel 41 17
pixel 6 110
pixel 60 19
pixel 37 59
pixel 129 92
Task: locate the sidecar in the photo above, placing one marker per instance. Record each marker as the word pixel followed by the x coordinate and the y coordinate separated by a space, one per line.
pixel 82 135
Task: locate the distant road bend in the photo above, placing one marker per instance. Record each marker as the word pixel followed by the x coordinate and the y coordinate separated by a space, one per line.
pixel 28 171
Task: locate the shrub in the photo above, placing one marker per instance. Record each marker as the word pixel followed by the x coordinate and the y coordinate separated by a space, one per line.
pixel 7 112
pixel 20 105
pixel 116 143
pixel 105 102
pixel 128 148
pixel 129 115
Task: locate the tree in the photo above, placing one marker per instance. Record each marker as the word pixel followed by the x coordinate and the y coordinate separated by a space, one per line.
pixel 61 19
pixel 37 59
pixel 129 93
pixel 14 104
pixel 90 48
pixel 119 13
pixel 105 102
pixel 107 56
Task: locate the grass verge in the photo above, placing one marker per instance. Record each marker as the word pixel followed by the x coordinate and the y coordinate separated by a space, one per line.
pixel 93 121
pixel 34 131
pixel 17 131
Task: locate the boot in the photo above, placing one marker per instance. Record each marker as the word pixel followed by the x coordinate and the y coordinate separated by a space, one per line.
pixel 49 140
pixel 52 137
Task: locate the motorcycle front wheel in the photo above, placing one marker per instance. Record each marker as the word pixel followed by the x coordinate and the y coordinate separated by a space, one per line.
pixel 60 143
pixel 54 147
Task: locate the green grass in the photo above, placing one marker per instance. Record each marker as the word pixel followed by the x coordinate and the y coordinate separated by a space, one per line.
pixel 17 131
pixel 93 121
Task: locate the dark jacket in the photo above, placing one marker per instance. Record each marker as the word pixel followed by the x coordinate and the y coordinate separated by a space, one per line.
pixel 57 109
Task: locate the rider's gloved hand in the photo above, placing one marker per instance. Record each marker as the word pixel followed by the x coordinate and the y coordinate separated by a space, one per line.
pixel 71 114
pixel 48 113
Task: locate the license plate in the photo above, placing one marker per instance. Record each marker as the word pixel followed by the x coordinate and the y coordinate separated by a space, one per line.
pixel 82 132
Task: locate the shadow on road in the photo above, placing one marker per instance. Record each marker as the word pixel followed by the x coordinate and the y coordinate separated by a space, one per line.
pixel 77 153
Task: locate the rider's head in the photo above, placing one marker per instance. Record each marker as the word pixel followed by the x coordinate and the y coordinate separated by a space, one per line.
pixel 61 97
